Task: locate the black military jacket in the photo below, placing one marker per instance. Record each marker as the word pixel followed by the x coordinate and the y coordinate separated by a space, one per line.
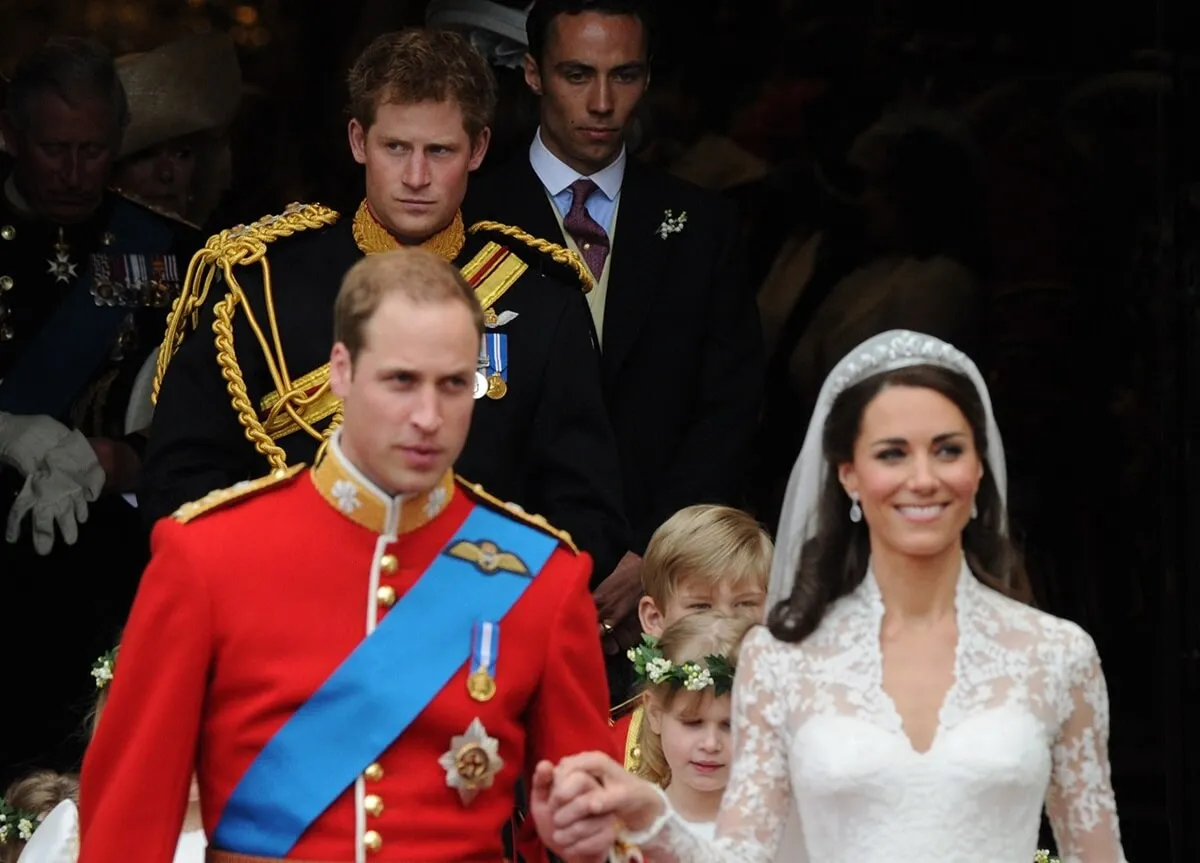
pixel 545 444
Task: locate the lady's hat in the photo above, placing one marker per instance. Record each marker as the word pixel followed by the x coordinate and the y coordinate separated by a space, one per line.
pixel 496 29
pixel 189 87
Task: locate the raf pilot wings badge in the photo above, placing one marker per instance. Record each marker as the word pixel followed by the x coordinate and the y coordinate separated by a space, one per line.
pixel 488 557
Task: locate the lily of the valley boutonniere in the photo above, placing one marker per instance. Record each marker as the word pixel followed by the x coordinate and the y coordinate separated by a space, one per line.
pixel 671 224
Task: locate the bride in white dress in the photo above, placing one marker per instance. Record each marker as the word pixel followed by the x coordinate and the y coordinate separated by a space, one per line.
pixel 899 706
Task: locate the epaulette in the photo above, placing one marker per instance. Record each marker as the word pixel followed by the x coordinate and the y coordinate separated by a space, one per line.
pixel 139 201
pixel 233 245
pixel 229 248
pixel 236 493
pixel 539 521
pixel 559 254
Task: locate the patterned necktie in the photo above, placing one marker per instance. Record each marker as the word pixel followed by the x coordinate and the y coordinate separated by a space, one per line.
pixel 588 235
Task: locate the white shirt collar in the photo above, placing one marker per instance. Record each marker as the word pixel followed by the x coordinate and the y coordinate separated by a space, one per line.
pixel 557 176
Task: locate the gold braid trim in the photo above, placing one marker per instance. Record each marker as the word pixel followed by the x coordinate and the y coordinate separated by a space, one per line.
pixel 240 245
pixel 235 384
pixel 558 254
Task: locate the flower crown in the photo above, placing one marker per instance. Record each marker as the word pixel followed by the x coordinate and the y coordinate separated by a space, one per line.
pixel 651 666
pixel 102 668
pixel 14 821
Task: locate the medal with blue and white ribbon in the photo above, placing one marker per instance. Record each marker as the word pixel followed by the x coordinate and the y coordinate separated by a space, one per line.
pixel 485 647
pixel 497 382
pixel 481 365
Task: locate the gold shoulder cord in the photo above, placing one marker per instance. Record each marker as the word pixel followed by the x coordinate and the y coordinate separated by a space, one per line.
pixel 242 246
pixel 558 254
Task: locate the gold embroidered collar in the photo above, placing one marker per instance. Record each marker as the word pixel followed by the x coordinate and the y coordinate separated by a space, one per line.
pixel 357 498
pixel 371 236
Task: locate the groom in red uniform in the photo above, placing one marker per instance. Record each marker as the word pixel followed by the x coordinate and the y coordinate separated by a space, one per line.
pixel 359 660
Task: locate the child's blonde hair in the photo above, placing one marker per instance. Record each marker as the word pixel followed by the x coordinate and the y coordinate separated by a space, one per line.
pixel 709 542
pixel 690 639
pixel 35 795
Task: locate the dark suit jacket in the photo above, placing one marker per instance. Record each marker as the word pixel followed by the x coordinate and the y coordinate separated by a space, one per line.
pixel 682 349
pixel 545 445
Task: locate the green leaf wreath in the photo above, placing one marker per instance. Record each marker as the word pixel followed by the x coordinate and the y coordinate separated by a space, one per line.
pixel 650 666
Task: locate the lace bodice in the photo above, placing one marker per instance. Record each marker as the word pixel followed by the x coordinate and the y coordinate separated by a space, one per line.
pixel 821 750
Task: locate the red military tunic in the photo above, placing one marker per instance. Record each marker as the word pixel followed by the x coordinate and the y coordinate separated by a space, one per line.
pixel 247 607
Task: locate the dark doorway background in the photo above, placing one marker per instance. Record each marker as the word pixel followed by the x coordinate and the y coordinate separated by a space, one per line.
pixel 1096 384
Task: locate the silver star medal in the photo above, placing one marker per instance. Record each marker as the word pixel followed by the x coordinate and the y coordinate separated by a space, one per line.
pixel 472 761
pixel 61 265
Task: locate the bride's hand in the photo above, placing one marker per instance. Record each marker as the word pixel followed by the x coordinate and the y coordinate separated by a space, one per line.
pixel 591 789
pixel 590 839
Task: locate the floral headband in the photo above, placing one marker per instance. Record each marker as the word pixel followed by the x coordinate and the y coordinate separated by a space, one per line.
pixel 102 668
pixel 651 666
pixel 15 821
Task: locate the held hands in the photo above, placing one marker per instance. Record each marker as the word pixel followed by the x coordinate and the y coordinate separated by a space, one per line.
pixel 583 807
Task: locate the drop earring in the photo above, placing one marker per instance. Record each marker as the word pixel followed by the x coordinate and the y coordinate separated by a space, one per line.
pixel 974 510
pixel 855 510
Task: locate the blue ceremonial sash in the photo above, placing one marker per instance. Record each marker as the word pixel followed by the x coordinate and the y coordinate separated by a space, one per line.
pixel 68 350
pixel 366 704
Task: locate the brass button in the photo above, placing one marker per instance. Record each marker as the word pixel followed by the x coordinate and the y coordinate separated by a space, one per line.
pixel 386 596
pixel 6 283
pixel 372 840
pixel 373 803
pixel 388 564
pixel 8 232
pixel 374 772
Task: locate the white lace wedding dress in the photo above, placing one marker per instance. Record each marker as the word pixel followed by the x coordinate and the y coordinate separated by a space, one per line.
pixel 1025 723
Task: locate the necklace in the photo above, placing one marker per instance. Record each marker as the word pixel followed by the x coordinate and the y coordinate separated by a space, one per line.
pixel 372 237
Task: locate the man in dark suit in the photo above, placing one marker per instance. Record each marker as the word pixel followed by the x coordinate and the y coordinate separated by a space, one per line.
pixel 679 334
pixel 247 392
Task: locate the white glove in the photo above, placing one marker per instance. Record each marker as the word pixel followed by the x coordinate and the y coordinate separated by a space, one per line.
pixel 58 492
pixel 25 440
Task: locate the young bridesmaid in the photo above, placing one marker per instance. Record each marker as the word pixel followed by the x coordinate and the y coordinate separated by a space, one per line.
pixel 685 738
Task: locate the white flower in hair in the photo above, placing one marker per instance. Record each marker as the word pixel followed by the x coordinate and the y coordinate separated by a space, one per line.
pixel 698 677
pixel 103 675
pixel 658 669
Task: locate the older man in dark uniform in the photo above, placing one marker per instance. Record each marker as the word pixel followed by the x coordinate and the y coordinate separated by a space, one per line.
pixel 86 279
pixel 245 378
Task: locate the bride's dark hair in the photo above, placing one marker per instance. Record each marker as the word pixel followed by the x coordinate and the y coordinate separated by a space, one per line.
pixel 834 562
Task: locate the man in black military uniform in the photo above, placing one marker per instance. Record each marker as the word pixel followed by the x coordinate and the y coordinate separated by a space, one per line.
pixel 86 280
pixel 245 381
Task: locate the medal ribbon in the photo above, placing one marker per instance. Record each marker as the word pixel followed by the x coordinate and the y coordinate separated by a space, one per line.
pixel 498 359
pixel 485 646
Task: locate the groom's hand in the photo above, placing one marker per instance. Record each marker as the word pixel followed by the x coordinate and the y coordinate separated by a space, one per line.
pixel 586 840
pixel 591 787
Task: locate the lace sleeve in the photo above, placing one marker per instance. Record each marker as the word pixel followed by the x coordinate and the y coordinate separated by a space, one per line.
pixel 759 795
pixel 1080 801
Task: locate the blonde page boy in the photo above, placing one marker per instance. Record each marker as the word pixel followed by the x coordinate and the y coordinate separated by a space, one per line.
pixel 703 558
